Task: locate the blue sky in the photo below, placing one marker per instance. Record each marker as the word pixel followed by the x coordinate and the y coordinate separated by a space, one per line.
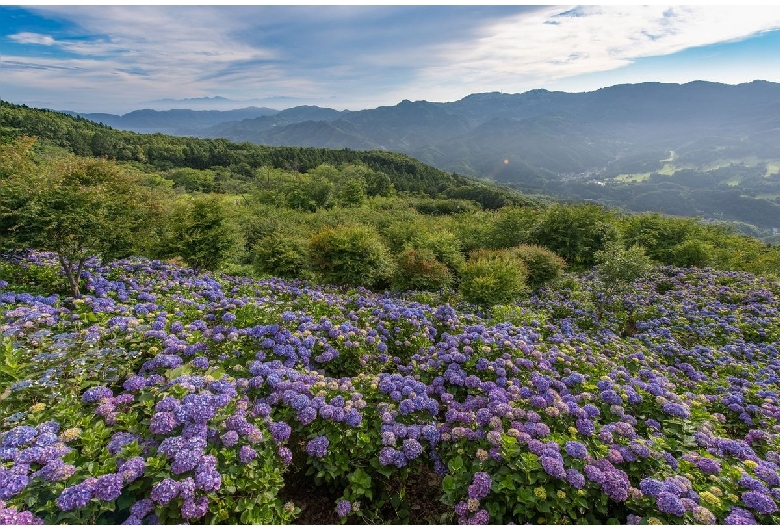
pixel 120 58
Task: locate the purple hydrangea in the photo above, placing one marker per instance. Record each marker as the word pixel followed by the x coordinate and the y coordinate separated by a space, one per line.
pixel 76 496
pixel 134 383
pixel 11 484
pixel 739 516
pixel 285 454
pixel 576 449
pixel 132 470
pixel 480 485
pixel 585 426
pixel 108 487
pixel 119 440
pixel 10 516
pixel 343 508
pixel 19 436
pixel 55 471
pixel 670 503
pixel 230 438
pixel 96 394
pixel 200 363
pixel 318 446
pixel 650 486
pixel 246 454
pixel 164 491
pixel 676 409
pixel 353 418
pixel 482 517
pixel 611 397
pixel 142 508
pixel 194 508
pixel 186 460
pixel 163 423
pixel 553 466
pixel 759 502
pixel 411 448
pixel 575 478
pixel 307 415
pixel 280 431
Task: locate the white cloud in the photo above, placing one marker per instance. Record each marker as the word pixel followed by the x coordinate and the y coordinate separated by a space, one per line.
pixel 32 38
pixel 533 49
pixel 140 53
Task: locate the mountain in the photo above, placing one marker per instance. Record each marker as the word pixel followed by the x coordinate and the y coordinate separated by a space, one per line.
pixel 691 149
pixel 179 122
pixel 692 145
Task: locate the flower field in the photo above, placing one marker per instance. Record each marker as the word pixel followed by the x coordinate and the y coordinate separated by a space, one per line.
pixel 165 396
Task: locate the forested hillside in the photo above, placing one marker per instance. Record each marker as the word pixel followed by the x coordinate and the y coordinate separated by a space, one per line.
pixel 698 149
pixel 373 218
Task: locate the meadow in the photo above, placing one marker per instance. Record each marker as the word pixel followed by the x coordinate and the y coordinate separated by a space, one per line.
pixel 168 395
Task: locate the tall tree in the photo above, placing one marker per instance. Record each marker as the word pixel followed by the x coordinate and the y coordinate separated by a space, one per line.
pixel 75 207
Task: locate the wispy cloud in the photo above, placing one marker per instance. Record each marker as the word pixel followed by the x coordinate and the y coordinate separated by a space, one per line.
pixel 32 38
pixel 532 49
pixel 346 56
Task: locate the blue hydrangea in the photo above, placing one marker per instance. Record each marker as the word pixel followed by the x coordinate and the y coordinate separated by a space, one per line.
pixel 19 436
pixel 576 449
pixel 759 502
pixel 318 446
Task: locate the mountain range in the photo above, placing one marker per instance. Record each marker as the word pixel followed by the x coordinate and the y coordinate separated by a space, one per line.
pixel 626 137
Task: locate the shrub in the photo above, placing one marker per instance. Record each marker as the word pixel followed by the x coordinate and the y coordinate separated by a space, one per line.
pixel 575 233
pixel 493 277
pixel 351 255
pixel 445 247
pixel 283 257
pixel 543 265
pixel 618 266
pixel 692 253
pixel 420 270
pixel 201 233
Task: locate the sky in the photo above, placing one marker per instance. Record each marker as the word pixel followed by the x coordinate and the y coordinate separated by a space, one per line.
pixel 120 58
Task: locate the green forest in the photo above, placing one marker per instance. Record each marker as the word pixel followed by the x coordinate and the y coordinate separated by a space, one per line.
pixel 377 219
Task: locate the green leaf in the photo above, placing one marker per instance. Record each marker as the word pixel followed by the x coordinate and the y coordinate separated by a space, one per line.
pixel 455 465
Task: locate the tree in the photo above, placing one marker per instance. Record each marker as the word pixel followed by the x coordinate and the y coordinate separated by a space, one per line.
pixel 200 233
pixel 75 207
pixel 575 233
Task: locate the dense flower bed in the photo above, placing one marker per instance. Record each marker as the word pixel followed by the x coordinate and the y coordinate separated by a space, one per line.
pixel 166 395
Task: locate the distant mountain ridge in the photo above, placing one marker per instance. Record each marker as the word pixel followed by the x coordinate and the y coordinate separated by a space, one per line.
pixel 177 122
pixel 679 148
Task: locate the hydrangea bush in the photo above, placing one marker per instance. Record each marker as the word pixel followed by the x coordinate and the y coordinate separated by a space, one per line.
pixel 166 395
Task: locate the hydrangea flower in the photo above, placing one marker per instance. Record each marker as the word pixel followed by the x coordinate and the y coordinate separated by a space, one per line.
pixel 343 508
pixel 318 446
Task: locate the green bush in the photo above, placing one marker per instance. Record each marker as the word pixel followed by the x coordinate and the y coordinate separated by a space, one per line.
pixel 575 232
pixel 511 226
pixel 618 266
pixel 543 265
pixel 351 255
pixel 445 246
pixel 493 277
pixel 692 253
pixel 283 257
pixel 201 233
pixel 420 270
